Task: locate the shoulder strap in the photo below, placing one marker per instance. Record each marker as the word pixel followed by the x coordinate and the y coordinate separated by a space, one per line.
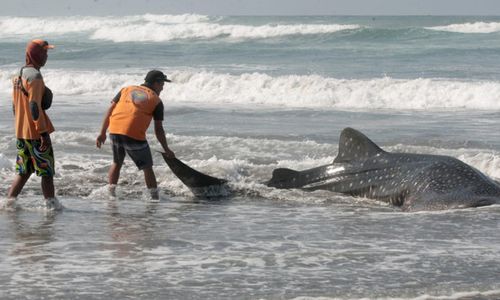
pixel 20 82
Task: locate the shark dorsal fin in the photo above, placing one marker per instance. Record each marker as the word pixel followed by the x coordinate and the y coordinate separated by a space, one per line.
pixel 353 145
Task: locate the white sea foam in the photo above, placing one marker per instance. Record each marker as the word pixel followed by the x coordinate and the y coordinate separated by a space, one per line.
pixel 65 82
pixel 155 28
pixel 489 162
pixel 45 26
pixel 312 91
pixel 8 204
pixel 244 162
pixel 318 91
pixel 71 24
pixel 455 296
pixel 151 33
pixel 5 163
pixel 476 27
pixel 172 19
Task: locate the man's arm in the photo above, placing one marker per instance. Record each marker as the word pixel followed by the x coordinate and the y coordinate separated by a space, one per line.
pixel 105 124
pixel 160 135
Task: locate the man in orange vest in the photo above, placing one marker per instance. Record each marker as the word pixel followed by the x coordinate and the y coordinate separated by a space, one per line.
pixel 33 126
pixel 128 118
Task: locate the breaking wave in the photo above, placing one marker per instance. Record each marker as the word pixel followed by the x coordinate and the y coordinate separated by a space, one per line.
pixel 72 24
pixel 156 28
pixel 476 27
pixel 312 91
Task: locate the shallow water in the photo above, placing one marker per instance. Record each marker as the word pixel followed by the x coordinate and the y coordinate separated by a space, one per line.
pixel 245 248
pixel 261 242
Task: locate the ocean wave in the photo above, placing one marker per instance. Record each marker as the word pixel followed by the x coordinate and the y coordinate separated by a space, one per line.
pixel 476 27
pixel 151 33
pixel 317 91
pixel 64 82
pixel 312 91
pixel 155 28
pixel 71 24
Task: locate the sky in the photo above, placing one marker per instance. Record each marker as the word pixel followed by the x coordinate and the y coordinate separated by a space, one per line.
pixel 249 7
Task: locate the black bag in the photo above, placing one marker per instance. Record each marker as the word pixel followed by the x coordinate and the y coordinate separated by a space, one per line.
pixel 47 98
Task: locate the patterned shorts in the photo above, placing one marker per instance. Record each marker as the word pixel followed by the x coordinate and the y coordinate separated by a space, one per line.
pixel 30 159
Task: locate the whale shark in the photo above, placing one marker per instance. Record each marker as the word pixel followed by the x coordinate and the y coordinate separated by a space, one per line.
pixel 412 182
pixel 200 184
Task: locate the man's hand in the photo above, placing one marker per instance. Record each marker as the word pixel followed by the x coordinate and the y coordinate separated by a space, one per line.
pixel 45 142
pixel 169 153
pixel 100 140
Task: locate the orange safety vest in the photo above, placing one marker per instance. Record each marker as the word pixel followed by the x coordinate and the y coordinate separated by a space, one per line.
pixel 133 112
pixel 28 90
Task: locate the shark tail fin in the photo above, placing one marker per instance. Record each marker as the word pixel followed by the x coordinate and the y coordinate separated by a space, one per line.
pixel 284 178
pixel 189 176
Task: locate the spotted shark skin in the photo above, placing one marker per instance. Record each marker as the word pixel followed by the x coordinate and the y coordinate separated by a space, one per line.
pixel 413 182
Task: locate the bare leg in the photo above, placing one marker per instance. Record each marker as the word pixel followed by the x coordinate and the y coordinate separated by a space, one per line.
pixel 113 176
pixel 114 173
pixel 150 178
pixel 17 185
pixel 51 201
pixel 48 187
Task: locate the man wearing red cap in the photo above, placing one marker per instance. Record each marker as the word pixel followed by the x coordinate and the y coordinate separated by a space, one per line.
pixel 33 126
pixel 128 118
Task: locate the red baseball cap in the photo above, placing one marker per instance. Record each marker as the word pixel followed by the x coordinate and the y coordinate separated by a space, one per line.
pixel 45 45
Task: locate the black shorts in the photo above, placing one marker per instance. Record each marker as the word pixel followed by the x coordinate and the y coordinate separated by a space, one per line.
pixel 138 151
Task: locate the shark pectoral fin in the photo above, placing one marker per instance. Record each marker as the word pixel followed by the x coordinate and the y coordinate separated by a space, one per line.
pixel 284 178
pixel 189 176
